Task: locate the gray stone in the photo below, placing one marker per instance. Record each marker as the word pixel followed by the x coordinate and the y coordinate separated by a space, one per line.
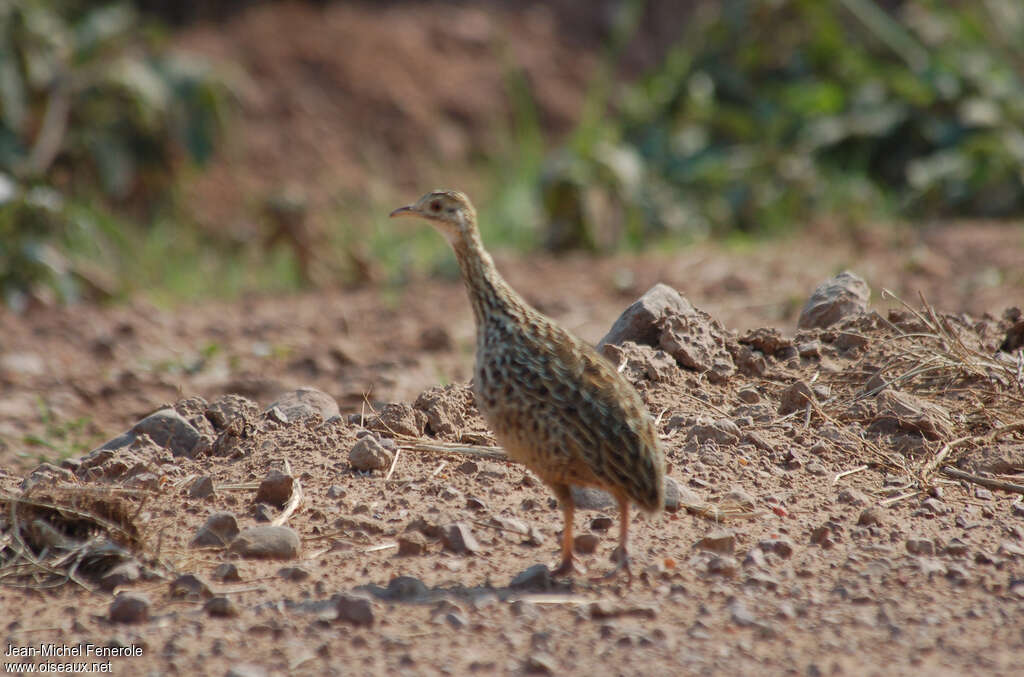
pixel 354 608
pixel 189 586
pixel 267 542
pixel 721 541
pixel 124 573
pixel 844 295
pixel 227 572
pixel 246 670
pixel 275 489
pixel 639 322
pixel 871 517
pixel 723 431
pixel 201 487
pixel 129 607
pixel 902 412
pixel 369 454
pixel 795 398
pixel 585 544
pixel 166 428
pixel 412 544
pixel 920 546
pixel 591 498
pixel 459 539
pixel 536 578
pixel 227 408
pixel 221 607
pixel 219 530
pixel 305 402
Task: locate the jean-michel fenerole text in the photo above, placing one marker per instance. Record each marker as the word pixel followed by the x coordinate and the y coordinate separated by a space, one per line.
pixel 51 650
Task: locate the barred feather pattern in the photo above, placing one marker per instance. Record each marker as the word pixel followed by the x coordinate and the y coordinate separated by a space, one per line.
pixel 554 403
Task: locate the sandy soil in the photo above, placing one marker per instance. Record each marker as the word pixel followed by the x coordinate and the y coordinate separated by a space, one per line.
pixel 806 538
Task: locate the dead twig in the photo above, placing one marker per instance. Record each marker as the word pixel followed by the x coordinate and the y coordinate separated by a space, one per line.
pixel 983 481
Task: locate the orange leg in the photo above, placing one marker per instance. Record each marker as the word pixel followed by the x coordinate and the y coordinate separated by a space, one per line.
pixel 567 566
pixel 621 554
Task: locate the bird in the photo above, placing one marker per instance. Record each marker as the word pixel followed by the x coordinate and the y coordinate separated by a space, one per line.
pixel 554 403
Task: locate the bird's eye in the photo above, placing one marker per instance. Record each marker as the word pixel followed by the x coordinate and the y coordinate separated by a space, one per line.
pixel 435 206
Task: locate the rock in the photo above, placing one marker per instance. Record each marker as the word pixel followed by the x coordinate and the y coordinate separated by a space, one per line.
pixel 305 402
pixel 220 607
pixel 540 663
pixel 403 589
pixel 591 498
pixel 698 342
pixel 202 487
pixel 336 491
pixel 223 411
pixel 190 587
pixel 749 395
pixel 795 398
pixel 356 609
pixel 459 539
pixel 723 431
pixel 129 607
pixel 823 536
pixel 740 614
pixel 399 418
pixel 783 547
pixel 723 566
pixel 920 546
pixel 817 468
pixel 275 489
pixel 638 362
pixel 1014 338
pixel 852 497
pixel 871 517
pixel 739 498
pixel 219 530
pixel 124 573
pixel 412 544
pixel 956 548
pixel 1003 459
pixel 536 578
pixel 294 574
pixel 601 523
pixel 585 544
pixel 445 408
pixel 166 428
pixel 267 542
pixel 227 572
pixel 721 541
pixel 639 322
pixel 903 412
pixel 369 454
pixel 844 295
pixel 934 506
pixel 678 495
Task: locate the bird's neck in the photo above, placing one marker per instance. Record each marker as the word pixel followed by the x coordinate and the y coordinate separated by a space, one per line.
pixel 489 294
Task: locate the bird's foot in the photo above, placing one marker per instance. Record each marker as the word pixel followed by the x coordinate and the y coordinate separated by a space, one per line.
pixel 622 561
pixel 568 567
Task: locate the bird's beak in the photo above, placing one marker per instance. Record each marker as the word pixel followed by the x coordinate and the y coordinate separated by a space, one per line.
pixel 407 210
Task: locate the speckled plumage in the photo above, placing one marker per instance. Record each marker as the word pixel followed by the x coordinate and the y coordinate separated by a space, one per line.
pixel 553 402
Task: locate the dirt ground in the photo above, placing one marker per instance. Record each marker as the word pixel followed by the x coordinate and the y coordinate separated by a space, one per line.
pixel 893 569
pixel 805 537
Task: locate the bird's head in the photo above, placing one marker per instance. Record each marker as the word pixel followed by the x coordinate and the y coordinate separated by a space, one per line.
pixel 449 210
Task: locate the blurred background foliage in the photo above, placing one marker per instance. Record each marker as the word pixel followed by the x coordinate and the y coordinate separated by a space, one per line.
pixel 771 113
pixel 96 122
pixel 763 116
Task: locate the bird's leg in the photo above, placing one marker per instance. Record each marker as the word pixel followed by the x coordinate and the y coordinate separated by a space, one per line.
pixel 621 553
pixel 568 564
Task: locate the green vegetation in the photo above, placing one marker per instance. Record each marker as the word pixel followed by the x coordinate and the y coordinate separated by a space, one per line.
pixel 768 114
pixel 765 116
pixel 95 121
